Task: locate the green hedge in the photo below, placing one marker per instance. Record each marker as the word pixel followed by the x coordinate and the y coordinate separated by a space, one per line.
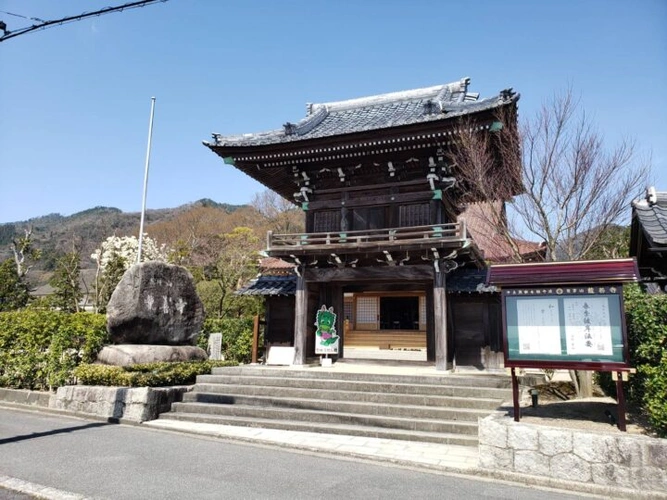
pixel 236 337
pixel 39 349
pixel 146 375
pixel 646 390
pixel 646 317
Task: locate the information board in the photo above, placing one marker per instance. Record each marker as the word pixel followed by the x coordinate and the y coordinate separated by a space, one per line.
pixel 561 326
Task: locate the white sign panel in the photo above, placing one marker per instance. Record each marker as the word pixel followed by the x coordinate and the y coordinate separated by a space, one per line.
pixel 538 326
pixel 588 326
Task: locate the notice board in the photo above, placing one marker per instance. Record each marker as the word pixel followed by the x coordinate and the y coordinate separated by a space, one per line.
pixel 578 327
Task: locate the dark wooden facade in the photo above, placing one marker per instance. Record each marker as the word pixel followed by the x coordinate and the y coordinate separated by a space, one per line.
pixel 382 207
pixel 648 239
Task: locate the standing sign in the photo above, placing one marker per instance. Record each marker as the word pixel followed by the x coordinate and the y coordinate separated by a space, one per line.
pixel 326 338
pixel 565 315
pixel 565 327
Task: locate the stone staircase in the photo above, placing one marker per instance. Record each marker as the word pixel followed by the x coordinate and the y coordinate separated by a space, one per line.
pixel 430 408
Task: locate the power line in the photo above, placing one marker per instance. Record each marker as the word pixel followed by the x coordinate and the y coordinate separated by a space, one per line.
pixel 49 24
pixel 24 17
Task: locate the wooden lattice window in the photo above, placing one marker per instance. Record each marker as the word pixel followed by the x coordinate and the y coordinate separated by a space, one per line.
pixel 417 214
pixel 367 309
pixel 422 310
pixel 348 307
pixel 326 221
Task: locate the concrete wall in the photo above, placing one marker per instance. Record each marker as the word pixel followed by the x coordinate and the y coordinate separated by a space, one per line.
pixel 136 404
pixel 615 460
pixel 25 397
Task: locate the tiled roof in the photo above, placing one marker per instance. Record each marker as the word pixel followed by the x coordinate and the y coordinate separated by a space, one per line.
pixel 652 215
pixel 564 273
pixel 275 267
pixel 374 113
pixel 270 285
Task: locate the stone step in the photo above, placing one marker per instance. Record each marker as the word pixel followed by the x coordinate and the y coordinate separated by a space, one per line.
pixel 327 428
pixel 209 392
pixel 338 406
pixel 493 381
pixel 395 386
pixel 328 416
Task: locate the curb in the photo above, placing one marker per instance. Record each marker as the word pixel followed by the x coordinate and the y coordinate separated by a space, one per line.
pixel 506 477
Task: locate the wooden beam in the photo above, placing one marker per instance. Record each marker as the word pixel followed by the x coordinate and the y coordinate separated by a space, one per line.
pixel 300 321
pixel 373 186
pixel 380 199
pixel 394 273
pixel 440 320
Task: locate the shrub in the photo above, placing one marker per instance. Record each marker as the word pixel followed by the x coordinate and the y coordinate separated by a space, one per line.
pixel 40 348
pixel 236 337
pixel 646 319
pixel 146 375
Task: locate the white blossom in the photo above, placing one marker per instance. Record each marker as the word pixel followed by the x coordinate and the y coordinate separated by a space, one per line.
pixel 127 247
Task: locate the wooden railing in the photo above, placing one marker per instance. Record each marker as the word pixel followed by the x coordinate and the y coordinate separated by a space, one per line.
pixel 454 232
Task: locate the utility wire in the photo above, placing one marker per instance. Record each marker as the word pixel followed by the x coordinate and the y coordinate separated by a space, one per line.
pixel 49 24
pixel 24 17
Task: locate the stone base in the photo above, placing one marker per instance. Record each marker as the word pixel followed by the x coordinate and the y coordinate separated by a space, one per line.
pixel 134 354
pixel 134 404
pixel 619 460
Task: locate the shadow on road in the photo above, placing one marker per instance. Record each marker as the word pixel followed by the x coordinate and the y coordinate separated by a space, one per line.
pixel 35 435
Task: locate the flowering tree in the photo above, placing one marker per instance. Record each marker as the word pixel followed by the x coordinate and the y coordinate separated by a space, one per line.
pixel 115 256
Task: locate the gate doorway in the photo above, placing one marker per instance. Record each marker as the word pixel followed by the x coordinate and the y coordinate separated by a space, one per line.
pixel 385 325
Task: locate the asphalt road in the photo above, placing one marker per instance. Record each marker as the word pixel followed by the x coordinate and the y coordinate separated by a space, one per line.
pixel 100 460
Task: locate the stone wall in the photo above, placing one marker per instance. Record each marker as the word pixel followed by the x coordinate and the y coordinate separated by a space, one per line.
pixel 616 460
pixel 134 404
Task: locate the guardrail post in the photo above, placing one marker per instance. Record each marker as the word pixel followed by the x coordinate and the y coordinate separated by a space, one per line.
pixel 269 237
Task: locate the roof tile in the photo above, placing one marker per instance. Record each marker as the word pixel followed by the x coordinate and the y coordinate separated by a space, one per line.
pixel 374 113
pixel 652 216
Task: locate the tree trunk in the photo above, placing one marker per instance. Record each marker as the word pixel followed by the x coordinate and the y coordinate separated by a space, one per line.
pixel 583 383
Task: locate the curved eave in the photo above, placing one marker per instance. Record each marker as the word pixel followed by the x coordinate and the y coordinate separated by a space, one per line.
pixel 303 146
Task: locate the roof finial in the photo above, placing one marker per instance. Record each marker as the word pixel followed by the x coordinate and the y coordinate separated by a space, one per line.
pixel 507 94
pixel 290 128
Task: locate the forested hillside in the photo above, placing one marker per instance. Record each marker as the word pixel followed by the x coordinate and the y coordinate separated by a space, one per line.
pixel 191 231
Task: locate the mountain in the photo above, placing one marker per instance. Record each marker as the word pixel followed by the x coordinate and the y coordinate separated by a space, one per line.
pixel 55 233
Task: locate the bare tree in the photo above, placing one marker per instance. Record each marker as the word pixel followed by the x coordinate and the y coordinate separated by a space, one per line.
pixel 573 189
pixel 281 215
pixel 25 253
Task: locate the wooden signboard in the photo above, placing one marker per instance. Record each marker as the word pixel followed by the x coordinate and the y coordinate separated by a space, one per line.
pixel 565 315
pixel 571 327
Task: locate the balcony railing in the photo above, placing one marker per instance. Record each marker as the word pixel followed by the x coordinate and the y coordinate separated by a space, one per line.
pixel 414 236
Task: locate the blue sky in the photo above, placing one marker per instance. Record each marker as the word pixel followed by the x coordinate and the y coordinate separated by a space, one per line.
pixel 75 99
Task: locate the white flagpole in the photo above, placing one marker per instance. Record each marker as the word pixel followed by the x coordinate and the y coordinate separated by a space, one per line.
pixel 148 160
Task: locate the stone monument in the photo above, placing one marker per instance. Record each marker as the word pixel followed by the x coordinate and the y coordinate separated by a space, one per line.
pixel 154 314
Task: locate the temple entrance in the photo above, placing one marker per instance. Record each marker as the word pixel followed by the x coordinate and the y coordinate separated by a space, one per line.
pixel 385 325
pixel 399 313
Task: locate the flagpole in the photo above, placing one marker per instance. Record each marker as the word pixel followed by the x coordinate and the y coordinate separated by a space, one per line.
pixel 148 160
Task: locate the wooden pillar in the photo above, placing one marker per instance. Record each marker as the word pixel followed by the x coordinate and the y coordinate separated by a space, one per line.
pixel 255 339
pixel 300 320
pixel 430 335
pixel 440 319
